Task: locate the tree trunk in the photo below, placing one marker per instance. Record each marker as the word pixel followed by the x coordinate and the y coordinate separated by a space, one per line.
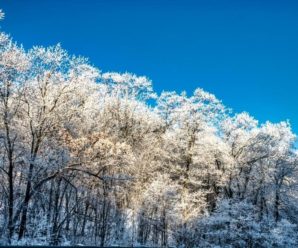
pixel 276 205
pixel 26 203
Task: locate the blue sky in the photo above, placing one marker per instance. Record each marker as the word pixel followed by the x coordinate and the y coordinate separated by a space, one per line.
pixel 245 52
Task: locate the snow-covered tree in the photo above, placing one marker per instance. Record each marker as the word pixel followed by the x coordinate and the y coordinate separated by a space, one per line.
pixel 101 159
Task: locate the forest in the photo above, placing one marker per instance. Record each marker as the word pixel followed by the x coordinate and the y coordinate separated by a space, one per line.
pixel 99 158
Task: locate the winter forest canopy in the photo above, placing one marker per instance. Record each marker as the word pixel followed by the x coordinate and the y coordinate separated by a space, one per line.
pixel 85 159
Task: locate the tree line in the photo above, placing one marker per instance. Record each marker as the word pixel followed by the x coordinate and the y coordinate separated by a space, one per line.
pixel 101 159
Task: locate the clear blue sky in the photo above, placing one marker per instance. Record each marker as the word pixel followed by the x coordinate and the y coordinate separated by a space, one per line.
pixel 245 52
